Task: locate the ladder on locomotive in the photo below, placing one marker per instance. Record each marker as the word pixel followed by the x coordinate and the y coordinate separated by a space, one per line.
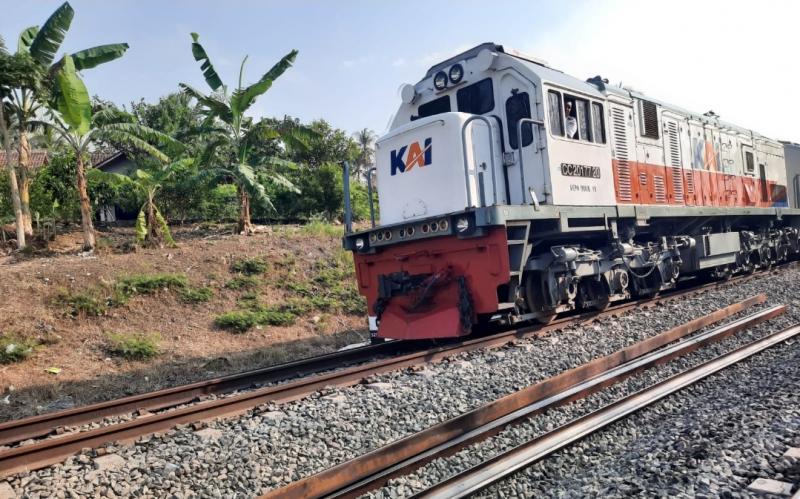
pixel 519 249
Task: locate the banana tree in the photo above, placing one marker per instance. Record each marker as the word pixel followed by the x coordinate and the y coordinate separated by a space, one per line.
pixel 151 228
pixel 42 44
pixel 81 127
pixel 233 135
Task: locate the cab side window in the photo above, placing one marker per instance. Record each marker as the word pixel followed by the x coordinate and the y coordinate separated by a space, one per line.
pixel 598 123
pixel 518 106
pixel 554 113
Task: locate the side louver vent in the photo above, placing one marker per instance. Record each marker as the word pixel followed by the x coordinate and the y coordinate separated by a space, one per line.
pixel 621 153
pixel 660 189
pixel 674 158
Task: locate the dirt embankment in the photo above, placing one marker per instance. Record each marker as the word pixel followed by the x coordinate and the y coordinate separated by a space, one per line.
pixel 68 307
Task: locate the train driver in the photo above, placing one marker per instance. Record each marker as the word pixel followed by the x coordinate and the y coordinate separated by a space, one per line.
pixel 572 121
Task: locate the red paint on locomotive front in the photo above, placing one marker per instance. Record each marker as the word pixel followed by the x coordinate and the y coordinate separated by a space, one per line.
pixel 482 261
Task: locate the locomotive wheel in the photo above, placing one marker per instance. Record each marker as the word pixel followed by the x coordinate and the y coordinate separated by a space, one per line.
pixel 535 291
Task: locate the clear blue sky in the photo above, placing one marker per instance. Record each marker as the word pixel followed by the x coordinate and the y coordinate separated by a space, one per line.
pixel 355 54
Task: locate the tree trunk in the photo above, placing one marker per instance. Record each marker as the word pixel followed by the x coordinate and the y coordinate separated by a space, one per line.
pixel 153 229
pixel 25 173
pixel 12 174
pixel 245 226
pixel 86 208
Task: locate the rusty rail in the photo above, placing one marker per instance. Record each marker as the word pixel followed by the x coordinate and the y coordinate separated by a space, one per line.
pixel 373 469
pixel 507 463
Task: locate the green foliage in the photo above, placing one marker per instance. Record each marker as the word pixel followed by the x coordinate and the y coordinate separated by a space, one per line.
pixel 242 282
pixel 137 346
pixel 140 228
pixel 15 349
pixel 240 321
pixel 196 295
pixel 143 284
pixel 72 98
pixel 81 304
pixel 48 39
pixel 320 228
pixel 249 266
pixel 331 286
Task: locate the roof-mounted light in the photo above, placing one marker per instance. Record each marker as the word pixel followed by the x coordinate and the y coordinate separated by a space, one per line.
pixel 440 80
pixel 456 73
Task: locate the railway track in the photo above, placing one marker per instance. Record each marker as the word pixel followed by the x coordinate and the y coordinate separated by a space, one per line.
pixel 372 470
pixel 61 444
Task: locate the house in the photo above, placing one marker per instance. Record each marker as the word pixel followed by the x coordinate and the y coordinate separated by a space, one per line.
pixel 38 158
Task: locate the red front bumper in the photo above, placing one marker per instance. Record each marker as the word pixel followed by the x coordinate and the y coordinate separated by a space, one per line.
pixel 481 261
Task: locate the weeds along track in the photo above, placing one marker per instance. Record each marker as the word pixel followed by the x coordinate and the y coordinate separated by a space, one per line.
pixel 234 395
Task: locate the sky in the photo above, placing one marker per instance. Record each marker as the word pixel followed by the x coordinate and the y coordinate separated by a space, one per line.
pixel 738 59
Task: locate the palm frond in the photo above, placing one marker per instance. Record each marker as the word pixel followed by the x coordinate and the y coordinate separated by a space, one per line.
pixel 44 46
pixel 144 133
pixel 209 73
pixel 91 57
pixel 242 99
pixel 281 181
pixel 217 108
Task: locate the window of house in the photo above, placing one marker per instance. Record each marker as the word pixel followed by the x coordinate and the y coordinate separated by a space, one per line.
pixel 436 106
pixel 477 98
pixel 518 106
pixel 648 119
pixel 749 162
pixel 598 123
pixel 554 113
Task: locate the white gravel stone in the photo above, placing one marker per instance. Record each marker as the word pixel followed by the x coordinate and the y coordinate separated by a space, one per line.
pixel 767 486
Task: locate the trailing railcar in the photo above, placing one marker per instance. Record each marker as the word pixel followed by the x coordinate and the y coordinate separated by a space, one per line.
pixel 511 191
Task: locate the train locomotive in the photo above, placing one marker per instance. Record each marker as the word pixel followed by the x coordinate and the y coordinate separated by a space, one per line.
pixel 510 191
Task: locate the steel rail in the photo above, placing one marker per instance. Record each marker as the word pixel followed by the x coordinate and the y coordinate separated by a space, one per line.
pixel 37 426
pixel 507 463
pixel 372 470
pixel 41 425
pixel 57 447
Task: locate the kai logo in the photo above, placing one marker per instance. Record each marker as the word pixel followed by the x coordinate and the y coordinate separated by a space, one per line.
pixel 417 156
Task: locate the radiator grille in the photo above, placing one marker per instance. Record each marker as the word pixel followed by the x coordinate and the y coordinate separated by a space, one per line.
pixel 689 182
pixel 619 130
pixel 674 158
pixel 660 189
pixel 648 112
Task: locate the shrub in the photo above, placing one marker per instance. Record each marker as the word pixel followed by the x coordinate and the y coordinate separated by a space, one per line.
pixel 322 229
pixel 81 304
pixel 137 346
pixel 242 282
pixel 14 349
pixel 196 295
pixel 241 321
pixel 249 266
pixel 150 283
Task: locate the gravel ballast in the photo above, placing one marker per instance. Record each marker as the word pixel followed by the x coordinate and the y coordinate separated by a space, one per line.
pixel 277 444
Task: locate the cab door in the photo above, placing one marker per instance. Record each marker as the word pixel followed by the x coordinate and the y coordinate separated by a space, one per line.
pixel 518 99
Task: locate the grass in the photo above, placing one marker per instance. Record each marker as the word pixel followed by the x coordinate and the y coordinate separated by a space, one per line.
pixel 196 295
pixel 81 304
pixel 320 228
pixel 241 321
pixel 13 349
pixel 136 346
pixel 145 284
pixel 249 266
pixel 242 282
pixel 331 287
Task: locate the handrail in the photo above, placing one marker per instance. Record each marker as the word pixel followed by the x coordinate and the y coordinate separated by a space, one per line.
pixel 491 155
pixel 369 193
pixel 522 166
pixel 348 211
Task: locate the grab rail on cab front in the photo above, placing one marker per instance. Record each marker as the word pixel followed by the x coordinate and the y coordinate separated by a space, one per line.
pixel 538 123
pixel 466 162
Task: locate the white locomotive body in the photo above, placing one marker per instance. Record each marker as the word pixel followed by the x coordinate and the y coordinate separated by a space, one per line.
pixel 556 193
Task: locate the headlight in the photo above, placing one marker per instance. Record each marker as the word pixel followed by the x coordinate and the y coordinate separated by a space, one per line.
pixel 440 80
pixel 462 224
pixel 456 73
pixel 359 243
